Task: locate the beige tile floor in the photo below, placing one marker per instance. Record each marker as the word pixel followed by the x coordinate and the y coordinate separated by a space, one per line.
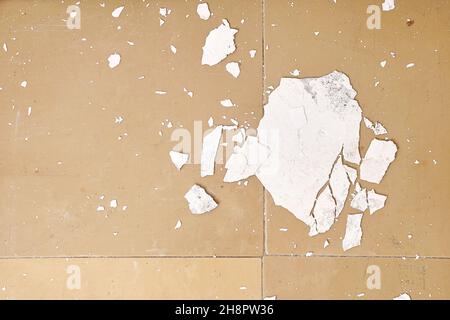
pixel 58 164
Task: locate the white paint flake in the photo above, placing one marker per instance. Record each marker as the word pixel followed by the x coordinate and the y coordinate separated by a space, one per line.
pixel 410 65
pixel 388 5
pixel 245 160
pixel 252 53
pixel 164 12
pixel 307 123
pixel 375 201
pixel 377 160
pixel 383 63
pixel 199 201
pixel 210 122
pixel 233 69
pixel 209 151
pixel 203 11
pixel 178 225
pixel 173 49
pixel 5 47
pixel 178 159
pixel 113 60
pixel 295 73
pixel 161 93
pixel 326 244
pixel 227 103
pixel 219 44
pixel 117 11
pixel 324 213
pixel 24 84
pixel 353 232
pixel 100 208
pixel 239 137
pixel 113 203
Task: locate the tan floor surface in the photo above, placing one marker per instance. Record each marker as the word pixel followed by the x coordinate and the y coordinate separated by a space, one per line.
pixel 69 156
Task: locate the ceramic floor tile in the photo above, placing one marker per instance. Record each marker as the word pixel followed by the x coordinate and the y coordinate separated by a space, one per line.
pixel 355 278
pixel 93 134
pixel 130 278
pixel 410 102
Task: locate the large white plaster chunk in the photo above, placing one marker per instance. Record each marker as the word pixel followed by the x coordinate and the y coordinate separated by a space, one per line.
pixel 209 151
pixel 245 160
pixel 377 160
pixel 219 44
pixel 353 232
pixel 199 201
pixel 307 123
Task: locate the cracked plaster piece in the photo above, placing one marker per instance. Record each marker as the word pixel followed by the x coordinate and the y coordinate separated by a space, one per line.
pixel 340 185
pixel 179 159
pixel 353 232
pixel 219 44
pixel 246 160
pixel 359 199
pixel 351 173
pixel 324 213
pixel 199 201
pixel 403 296
pixel 377 160
pixel 377 127
pixel 233 69
pixel 209 151
pixel 375 201
pixel 307 123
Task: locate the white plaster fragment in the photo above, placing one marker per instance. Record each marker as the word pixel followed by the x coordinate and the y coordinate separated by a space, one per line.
pixel 377 127
pixel 210 122
pixel 375 201
pixel 233 69
pixel 239 137
pixel 403 296
pixel 353 232
pixel 173 49
pixel 351 173
pixel 113 203
pixel 117 11
pixel 203 11
pixel 209 151
pixel 227 103
pixel 340 185
pixel 388 5
pixel 252 53
pixel 199 201
pixel 178 159
pixel 219 44
pixel 178 225
pixel 324 213
pixel 359 199
pixel 113 60
pixel 379 156
pixel 245 160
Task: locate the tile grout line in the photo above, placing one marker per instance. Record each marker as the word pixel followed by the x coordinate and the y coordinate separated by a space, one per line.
pixel 263 82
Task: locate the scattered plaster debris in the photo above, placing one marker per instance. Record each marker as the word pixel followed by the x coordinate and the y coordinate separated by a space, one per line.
pixel 270 298
pixel 29 111
pixel 173 49
pixel 377 127
pixel 284 229
pixel 118 119
pixel 317 119
pixel 203 11
pixel 178 159
pixel 309 254
pixel 326 244
pixel 209 151
pixel 295 72
pixel 403 296
pixel 113 60
pixel 316 33
pixel 117 11
pixel 5 47
pixel 410 65
pixel 161 93
pixel 252 53
pixel 161 22
pixel 377 160
pixel 227 103
pixel 210 122
pixel 233 69
pixel 178 225
pixel 375 201
pixel 388 5
pixel 24 84
pixel 199 201
pixel 100 208
pixel 353 232
pixel 351 173
pixel 246 160
pixel 219 44
pixel 359 201
pixel 383 63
